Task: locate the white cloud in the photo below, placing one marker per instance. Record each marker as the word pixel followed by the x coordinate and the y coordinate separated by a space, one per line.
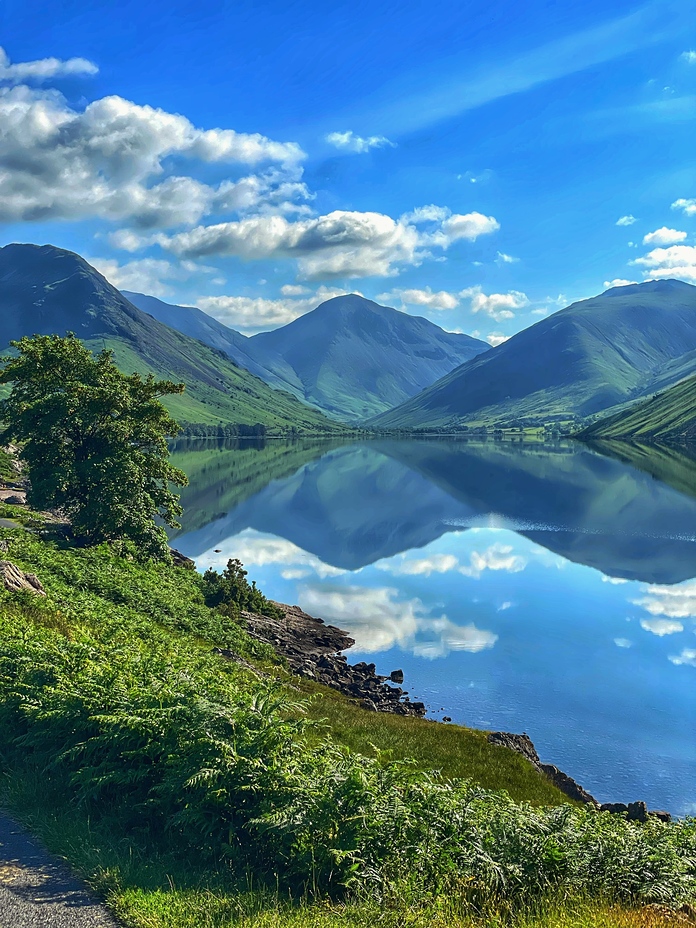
pixel 43 69
pixel 615 581
pixel 441 299
pixel 626 220
pixel 495 557
pixel 255 549
pixel 674 602
pixel 676 261
pixel 349 141
pixel 689 57
pixel 108 160
pixel 502 258
pixel 254 314
pixel 147 275
pixel 687 657
pixel 498 306
pixel 623 643
pixel 617 282
pixel 496 338
pixel 686 206
pixel 664 236
pixel 541 311
pixel 421 567
pixel 661 627
pixel 379 620
pixel 338 245
pixel 294 290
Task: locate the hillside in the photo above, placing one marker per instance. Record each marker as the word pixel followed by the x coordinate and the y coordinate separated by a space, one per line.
pixel 588 357
pixel 668 416
pixel 355 358
pixel 47 290
pixel 199 325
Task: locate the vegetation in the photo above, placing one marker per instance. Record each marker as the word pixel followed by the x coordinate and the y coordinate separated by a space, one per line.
pixel 231 593
pixel 196 791
pixel 668 416
pixel 94 440
pixel 74 297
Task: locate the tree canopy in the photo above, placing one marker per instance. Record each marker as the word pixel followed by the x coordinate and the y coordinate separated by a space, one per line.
pixel 95 440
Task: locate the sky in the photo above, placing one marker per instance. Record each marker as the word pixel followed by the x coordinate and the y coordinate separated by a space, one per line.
pixel 481 164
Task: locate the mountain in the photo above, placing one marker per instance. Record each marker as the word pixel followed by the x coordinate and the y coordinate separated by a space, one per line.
pixel 199 325
pixel 355 358
pixel 668 416
pixel 47 290
pixel 594 354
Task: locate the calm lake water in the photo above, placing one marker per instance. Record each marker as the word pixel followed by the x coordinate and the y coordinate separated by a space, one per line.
pixel 546 589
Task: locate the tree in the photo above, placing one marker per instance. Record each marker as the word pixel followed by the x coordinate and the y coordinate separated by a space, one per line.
pixel 94 440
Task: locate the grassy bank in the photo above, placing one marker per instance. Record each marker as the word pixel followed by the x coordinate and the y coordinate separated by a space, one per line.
pixel 196 791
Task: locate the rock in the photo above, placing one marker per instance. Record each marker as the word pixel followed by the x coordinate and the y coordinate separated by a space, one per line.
pixel 637 812
pixel 15 500
pixel 4 545
pixel 180 560
pixel 568 785
pixel 396 676
pixel 15 580
pixel 446 718
pixel 369 705
pixel 521 744
pixel 660 815
pixel 616 808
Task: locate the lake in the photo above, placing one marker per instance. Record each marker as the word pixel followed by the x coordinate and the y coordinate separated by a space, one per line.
pixel 544 588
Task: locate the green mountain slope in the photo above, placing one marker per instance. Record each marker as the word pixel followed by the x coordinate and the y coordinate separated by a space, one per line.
pixel 668 416
pixel 355 358
pixel 588 357
pixel 199 325
pixel 47 290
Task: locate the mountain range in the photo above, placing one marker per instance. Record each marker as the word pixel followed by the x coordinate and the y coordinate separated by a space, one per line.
pixel 593 355
pixel 350 357
pixel 46 290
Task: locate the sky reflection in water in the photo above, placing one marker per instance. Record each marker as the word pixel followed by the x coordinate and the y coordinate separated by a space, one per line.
pixel 526 589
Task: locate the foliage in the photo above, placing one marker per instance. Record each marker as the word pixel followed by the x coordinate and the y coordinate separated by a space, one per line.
pixel 132 721
pixel 668 416
pixel 94 440
pixel 231 592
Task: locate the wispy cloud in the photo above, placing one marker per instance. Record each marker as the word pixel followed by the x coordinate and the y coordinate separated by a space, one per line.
pixel 462 90
pixel 349 141
pixel 43 69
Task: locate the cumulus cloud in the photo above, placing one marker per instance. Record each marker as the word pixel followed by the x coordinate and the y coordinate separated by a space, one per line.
pixel 254 314
pixel 495 557
pixel 379 620
pixel 421 567
pixel 674 602
pixel 440 299
pixel 349 141
pixel 337 245
pixel 256 549
pixel 661 627
pixel 676 261
pixel 43 69
pixel 687 657
pixel 108 160
pixel 626 220
pixel 617 282
pixel 686 206
pixel 496 338
pixel 689 57
pixel 147 275
pixel 664 236
pixel 498 306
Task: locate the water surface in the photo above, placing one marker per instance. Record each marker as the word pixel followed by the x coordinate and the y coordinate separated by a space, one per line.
pixel 540 588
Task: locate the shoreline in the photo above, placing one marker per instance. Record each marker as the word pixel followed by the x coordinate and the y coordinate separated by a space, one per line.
pixel 313 650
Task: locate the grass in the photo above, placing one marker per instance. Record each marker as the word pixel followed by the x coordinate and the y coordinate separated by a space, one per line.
pixel 194 791
pixel 668 416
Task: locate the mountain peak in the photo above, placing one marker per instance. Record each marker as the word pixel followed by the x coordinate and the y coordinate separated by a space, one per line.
pixel 662 285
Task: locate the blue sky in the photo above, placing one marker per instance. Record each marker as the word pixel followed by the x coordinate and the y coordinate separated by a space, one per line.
pixel 480 164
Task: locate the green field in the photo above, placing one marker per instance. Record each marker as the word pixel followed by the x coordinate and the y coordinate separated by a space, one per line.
pixel 668 416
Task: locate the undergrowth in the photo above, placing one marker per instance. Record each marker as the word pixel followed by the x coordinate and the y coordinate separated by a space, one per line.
pixel 198 780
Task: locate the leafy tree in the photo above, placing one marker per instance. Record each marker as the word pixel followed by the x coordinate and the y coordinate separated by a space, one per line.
pixel 94 440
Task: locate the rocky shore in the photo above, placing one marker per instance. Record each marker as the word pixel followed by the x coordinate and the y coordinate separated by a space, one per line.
pixel 312 649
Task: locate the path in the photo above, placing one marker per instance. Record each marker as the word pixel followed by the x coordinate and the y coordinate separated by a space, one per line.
pixel 36 891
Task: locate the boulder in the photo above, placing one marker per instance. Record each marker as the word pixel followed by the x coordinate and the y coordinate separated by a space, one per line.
pixel 15 580
pixel 396 676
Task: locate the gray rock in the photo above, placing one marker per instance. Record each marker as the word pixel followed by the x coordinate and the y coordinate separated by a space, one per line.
pixel 396 676
pixel 15 580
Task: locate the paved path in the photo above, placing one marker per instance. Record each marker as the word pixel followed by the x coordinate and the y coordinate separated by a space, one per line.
pixel 36 891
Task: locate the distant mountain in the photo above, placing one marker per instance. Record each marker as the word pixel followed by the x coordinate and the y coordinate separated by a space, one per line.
pixel 355 358
pixel 588 357
pixel 199 325
pixel 47 290
pixel 668 416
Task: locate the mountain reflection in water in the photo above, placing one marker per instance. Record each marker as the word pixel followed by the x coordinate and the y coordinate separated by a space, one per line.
pixel 546 588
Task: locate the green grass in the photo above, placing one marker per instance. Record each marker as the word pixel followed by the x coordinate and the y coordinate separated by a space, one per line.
pixel 195 791
pixel 7 472
pixel 668 416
